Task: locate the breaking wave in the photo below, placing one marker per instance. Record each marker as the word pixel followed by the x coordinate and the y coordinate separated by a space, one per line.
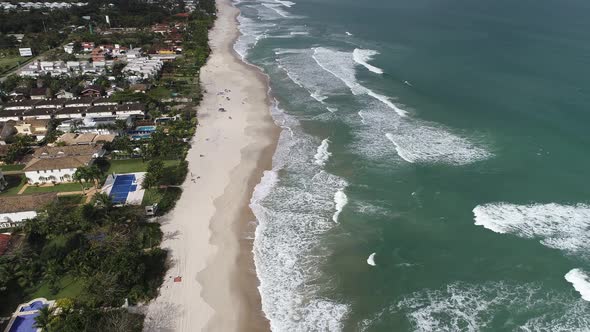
pixel 581 282
pixel 363 56
pixel 563 227
pixel 475 307
pixel 293 210
pixel 322 155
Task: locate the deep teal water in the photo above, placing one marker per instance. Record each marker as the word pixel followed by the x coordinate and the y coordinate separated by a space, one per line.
pixel 473 202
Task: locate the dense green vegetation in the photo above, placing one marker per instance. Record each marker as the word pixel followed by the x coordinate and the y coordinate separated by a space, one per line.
pixel 92 257
pixel 96 253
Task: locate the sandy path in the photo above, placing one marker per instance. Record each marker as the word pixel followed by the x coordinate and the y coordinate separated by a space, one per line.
pixel 207 233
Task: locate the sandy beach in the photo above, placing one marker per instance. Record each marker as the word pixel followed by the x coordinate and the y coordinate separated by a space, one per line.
pixel 209 232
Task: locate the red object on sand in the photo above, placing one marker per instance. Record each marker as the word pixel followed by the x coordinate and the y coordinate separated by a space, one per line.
pixel 178 279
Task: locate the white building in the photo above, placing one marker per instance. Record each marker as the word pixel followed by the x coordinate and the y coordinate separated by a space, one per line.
pixel 58 164
pixel 69 48
pixel 142 68
pixel 57 68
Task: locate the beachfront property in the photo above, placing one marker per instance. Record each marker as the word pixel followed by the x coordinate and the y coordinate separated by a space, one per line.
pixel 15 209
pixel 23 319
pixel 125 189
pixel 58 164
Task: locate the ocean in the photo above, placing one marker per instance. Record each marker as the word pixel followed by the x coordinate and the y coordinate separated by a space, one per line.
pixel 432 170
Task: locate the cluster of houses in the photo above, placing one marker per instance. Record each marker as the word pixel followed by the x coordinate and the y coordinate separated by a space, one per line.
pixel 92 113
pixel 138 69
pixel 5 5
pixel 77 108
pixel 172 33
pixel 70 68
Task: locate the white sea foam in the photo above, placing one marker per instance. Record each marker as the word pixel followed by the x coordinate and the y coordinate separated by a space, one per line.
pixel 340 201
pixel 371 260
pixel 581 282
pixel 293 210
pixel 426 144
pixel 383 135
pixel 277 9
pixel 474 307
pixel 299 33
pixel 322 155
pixel 348 33
pixel 563 227
pixel 251 33
pixel 342 66
pixel 288 4
pixel 413 140
pixel 305 72
pixel 363 56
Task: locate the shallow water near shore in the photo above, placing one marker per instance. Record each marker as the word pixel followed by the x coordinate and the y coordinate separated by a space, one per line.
pixel 449 138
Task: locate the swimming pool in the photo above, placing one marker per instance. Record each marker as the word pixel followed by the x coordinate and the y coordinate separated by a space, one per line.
pixel 124 184
pixel 24 323
pixel 146 128
pixel 33 306
pixel 137 137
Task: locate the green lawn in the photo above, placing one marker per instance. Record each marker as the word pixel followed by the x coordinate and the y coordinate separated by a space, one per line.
pixel 9 62
pixel 152 196
pixel 8 168
pixel 134 165
pixel 71 199
pixel 69 287
pixel 15 183
pixel 60 187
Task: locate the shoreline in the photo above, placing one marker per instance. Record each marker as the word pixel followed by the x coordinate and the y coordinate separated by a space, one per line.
pixel 210 232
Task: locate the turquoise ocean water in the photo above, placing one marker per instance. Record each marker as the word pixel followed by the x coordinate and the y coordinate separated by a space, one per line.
pixel 432 172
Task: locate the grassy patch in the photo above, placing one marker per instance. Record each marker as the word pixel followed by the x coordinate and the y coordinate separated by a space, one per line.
pixel 71 199
pixel 69 287
pixel 9 62
pixel 60 187
pixel 152 196
pixel 15 183
pixel 15 167
pixel 134 165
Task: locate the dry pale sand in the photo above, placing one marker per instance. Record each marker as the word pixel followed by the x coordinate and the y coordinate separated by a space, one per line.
pixel 208 232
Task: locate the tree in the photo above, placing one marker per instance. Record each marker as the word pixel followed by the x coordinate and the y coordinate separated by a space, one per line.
pixel 44 319
pixel 95 174
pixel 81 175
pixel 77 47
pixel 88 174
pixel 155 173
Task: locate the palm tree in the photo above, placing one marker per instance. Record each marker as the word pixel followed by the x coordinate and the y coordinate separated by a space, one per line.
pixel 104 200
pixel 44 319
pixel 81 176
pixel 95 174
